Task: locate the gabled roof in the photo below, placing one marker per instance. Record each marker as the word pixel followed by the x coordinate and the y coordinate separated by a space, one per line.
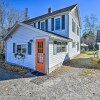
pixel 67 9
pixel 51 34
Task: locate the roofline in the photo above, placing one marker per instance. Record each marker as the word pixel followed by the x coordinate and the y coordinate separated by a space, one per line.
pixel 50 14
pixel 47 33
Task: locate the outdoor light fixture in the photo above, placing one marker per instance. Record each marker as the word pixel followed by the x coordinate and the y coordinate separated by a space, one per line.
pixel 31 40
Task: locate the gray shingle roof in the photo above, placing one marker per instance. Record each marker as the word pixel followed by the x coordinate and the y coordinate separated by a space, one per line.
pixel 50 14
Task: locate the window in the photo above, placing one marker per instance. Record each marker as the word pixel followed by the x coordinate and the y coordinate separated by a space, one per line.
pixel 55 48
pixel 73 26
pixel 77 30
pixel 64 47
pixel 73 44
pixel 46 25
pixel 21 48
pixel 52 24
pixel 77 46
pixel 42 25
pixel 63 22
pixel 58 47
pixel 57 24
pixel 38 25
pixel 34 24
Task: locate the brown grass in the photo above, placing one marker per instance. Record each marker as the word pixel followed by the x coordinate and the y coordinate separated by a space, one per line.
pixel 86 72
pixel 15 69
pixel 59 71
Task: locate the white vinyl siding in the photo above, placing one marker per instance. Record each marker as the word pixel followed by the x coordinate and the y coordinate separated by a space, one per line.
pixel 58 58
pixel 22 36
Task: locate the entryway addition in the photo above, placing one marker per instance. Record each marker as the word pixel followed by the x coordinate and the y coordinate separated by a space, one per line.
pixel 40 55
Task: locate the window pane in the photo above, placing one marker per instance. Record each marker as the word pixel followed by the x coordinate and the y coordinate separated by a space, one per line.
pixel 77 30
pixel 19 48
pixel 58 47
pixel 77 46
pixel 57 23
pixel 63 47
pixel 42 25
pixel 55 48
pixel 23 48
pixel 73 44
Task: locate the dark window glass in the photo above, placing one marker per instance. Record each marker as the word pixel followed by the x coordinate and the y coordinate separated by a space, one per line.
pixel 63 22
pixel 52 24
pixel 38 25
pixel 19 48
pixel 57 24
pixel 35 25
pixel 46 21
pixel 77 30
pixel 42 25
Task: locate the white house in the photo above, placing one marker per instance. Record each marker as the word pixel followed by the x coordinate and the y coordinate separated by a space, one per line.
pixel 98 41
pixel 45 42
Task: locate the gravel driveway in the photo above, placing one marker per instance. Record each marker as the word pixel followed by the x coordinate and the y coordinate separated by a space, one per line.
pixel 66 86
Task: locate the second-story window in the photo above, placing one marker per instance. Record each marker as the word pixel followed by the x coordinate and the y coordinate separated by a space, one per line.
pixel 73 26
pixel 35 25
pixel 77 30
pixel 42 25
pixel 57 24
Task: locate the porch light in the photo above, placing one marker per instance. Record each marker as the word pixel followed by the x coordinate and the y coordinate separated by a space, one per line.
pixel 31 40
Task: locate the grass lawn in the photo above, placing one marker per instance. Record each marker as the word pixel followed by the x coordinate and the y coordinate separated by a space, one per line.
pixel 91 52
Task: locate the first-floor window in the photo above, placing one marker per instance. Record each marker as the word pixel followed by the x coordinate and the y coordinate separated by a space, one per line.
pixel 21 48
pixel 77 46
pixel 64 47
pixel 73 44
pixel 59 47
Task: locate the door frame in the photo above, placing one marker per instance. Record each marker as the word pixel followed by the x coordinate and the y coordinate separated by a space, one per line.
pixel 44 56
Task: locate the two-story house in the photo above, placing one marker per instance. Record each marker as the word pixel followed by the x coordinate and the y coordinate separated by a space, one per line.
pixel 45 42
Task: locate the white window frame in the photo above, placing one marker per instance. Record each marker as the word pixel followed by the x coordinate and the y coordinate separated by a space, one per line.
pixel 55 23
pixel 21 47
pixel 41 25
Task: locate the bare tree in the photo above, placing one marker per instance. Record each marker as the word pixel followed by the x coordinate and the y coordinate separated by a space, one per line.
pixel 3 5
pixel 13 16
pixel 90 23
pixel 90 28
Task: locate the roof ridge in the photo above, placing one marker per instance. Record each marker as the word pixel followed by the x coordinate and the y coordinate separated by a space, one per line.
pixel 68 8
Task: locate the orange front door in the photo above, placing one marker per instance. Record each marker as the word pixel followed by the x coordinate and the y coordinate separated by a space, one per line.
pixel 40 55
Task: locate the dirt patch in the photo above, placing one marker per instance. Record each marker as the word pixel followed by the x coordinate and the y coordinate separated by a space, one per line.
pixel 15 69
pixel 59 71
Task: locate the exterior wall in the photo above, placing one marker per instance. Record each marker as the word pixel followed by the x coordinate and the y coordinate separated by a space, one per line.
pixel 60 32
pixel 57 60
pixel 68 30
pixel 76 38
pixel 24 35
